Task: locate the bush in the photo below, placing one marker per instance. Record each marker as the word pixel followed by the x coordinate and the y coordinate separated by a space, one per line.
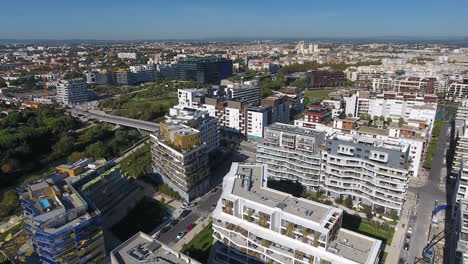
pixel 379 209
pixel 339 200
pixel 348 202
pixel 164 188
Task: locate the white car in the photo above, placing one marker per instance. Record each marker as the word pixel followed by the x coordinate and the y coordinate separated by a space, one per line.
pixel 181 235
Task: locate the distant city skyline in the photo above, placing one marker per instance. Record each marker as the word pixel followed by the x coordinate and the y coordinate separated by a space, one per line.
pixel 160 19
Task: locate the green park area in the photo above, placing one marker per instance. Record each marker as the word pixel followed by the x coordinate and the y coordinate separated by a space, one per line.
pixel 369 228
pixel 199 247
pixel 144 217
pixel 317 95
pixel 151 102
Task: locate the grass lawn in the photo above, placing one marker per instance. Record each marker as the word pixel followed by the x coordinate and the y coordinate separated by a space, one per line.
pixel 146 216
pixel 366 227
pixel 317 95
pixel 199 247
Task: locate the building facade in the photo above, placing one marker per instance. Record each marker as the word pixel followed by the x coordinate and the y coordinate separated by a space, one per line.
pixel 255 224
pixel 204 70
pixel 72 91
pixel 292 153
pixel 368 170
pixel 180 159
pixel 63 225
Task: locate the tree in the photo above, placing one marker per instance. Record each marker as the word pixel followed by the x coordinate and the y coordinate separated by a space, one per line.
pixel 379 209
pixel 350 115
pixel 97 150
pixel 73 75
pixel 381 118
pixel 2 83
pixel 75 156
pixel 368 211
pixel 401 121
pixel 64 145
pixel 376 118
pixel 389 120
pixel 339 200
pixel 348 202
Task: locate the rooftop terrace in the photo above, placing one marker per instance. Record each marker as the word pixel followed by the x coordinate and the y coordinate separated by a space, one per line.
pixel 250 183
pixel 142 248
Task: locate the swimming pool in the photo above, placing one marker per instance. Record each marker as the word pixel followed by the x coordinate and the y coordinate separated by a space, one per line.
pixel 44 203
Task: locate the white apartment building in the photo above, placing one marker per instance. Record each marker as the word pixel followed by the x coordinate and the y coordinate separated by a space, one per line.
pixel 460 214
pixel 187 97
pixel 462 111
pixel 416 143
pixel 292 153
pixel 255 224
pixel 393 108
pixel 370 171
pixel 127 55
pixel 72 91
pixel 459 90
pixel 400 85
pixel 141 68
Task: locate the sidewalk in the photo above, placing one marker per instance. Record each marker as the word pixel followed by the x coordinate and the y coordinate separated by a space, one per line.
pixel 190 235
pixel 393 250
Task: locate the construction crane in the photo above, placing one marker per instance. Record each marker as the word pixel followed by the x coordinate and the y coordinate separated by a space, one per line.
pixel 428 251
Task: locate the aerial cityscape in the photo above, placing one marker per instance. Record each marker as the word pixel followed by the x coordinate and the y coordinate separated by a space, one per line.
pixel 241 132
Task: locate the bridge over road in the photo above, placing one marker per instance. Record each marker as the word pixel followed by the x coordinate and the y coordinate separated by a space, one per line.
pixel 117 120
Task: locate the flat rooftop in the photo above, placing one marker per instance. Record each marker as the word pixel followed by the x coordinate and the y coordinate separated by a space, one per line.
pixel 142 248
pixel 294 129
pixel 354 246
pixel 250 184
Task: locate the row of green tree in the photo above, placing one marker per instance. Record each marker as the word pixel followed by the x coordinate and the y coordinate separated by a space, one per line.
pixel 313 65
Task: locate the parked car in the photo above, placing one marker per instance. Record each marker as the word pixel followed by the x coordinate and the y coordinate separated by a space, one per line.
pixel 189 227
pixel 181 235
pixel 185 213
pixel 406 247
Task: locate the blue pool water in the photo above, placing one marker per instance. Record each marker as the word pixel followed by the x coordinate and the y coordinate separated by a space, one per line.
pixel 44 203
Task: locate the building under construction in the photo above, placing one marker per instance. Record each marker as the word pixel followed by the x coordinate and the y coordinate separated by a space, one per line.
pixel 62 212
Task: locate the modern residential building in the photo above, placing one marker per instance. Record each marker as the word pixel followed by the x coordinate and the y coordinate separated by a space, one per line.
pixel 200 120
pixel 142 248
pixel 72 91
pixel 100 182
pixel 257 118
pixel 325 78
pixel 370 171
pixel 180 159
pixel 405 84
pixel 279 108
pixel 255 224
pixel 420 108
pixel 295 98
pixel 63 223
pixel 204 70
pixel 127 55
pixel 316 113
pixel 292 153
pixel 248 93
pixel 459 90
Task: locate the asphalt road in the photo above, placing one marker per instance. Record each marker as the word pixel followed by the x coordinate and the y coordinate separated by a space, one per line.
pixel 118 120
pixel 420 221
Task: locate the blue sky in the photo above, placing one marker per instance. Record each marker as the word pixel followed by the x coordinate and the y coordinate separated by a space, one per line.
pixel 163 19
